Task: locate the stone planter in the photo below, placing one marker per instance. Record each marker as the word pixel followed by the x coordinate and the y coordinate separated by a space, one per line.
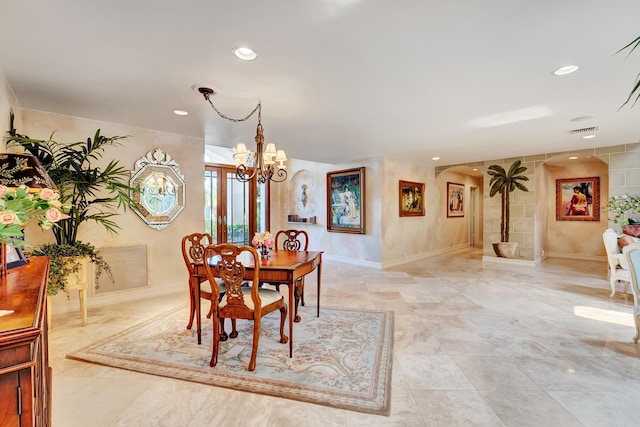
pixel 505 249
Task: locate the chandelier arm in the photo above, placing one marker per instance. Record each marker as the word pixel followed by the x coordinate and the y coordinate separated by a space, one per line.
pixel 241 173
pixel 281 174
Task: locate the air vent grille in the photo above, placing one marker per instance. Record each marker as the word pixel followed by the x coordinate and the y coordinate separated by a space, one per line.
pixel 584 130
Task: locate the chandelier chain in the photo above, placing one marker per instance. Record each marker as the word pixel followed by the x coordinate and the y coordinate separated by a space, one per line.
pixel 258 108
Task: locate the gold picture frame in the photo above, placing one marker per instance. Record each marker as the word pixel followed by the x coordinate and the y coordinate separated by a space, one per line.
pixel 411 198
pixel 578 199
pixel 346 201
pixel 455 200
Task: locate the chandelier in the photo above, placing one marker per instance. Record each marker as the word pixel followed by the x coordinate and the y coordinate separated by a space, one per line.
pixel 260 164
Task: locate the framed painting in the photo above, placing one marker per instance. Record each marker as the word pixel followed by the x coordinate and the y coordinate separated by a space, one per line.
pixel 455 200
pixel 346 201
pixel 578 199
pixel 14 256
pixel 411 196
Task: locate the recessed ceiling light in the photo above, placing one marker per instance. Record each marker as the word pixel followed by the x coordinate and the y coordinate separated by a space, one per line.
pixel 475 169
pixel 588 136
pixel 573 157
pixel 567 69
pixel 435 158
pixel 180 113
pixel 245 53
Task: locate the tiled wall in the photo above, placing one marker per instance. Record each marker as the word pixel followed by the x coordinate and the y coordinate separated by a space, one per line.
pixel 529 222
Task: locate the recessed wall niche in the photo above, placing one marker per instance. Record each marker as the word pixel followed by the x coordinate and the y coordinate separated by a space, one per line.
pixel 303 195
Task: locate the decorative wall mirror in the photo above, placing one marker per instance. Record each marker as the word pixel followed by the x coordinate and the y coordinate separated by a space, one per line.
pixel 161 195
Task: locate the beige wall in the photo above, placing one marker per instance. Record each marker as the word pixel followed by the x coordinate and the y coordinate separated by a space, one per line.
pixel 364 249
pixel 167 272
pixel 405 238
pixel 389 240
pixel 570 239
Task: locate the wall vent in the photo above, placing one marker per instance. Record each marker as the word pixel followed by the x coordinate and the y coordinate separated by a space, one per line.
pixel 129 267
pixel 584 130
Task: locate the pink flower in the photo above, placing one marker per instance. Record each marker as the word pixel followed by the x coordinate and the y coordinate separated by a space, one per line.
pixel 54 215
pixel 8 217
pixel 48 194
pixel 3 189
pixel 262 239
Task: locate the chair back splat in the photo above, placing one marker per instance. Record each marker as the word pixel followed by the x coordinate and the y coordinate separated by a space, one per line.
pixel 293 240
pixel 225 262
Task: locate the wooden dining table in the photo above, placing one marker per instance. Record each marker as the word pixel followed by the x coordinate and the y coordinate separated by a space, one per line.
pixel 282 267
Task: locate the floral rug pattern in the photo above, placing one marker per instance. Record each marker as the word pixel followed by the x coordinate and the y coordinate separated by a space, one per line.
pixel 340 359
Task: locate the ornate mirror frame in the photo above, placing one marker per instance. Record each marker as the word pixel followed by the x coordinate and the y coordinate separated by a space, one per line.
pixel 161 195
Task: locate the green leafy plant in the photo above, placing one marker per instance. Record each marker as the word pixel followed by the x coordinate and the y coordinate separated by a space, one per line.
pixel 636 88
pixel 505 182
pixel 92 193
pixel 67 259
pixel 619 206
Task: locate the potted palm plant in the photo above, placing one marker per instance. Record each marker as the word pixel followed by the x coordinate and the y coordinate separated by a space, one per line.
pixel 92 192
pixel 504 182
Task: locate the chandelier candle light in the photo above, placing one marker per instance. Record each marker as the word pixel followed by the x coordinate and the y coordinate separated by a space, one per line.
pixel 263 160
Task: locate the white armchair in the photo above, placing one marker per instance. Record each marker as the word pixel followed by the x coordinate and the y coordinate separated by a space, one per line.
pixel 632 256
pixel 618 267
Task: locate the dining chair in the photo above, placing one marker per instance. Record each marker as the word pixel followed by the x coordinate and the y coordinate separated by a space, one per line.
pixel 193 246
pixel 293 240
pixel 240 302
pixel 618 270
pixel 632 255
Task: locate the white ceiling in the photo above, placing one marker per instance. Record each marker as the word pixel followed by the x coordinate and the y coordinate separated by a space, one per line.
pixel 339 80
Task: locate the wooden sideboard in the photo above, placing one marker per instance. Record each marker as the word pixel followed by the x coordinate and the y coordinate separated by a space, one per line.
pixel 25 375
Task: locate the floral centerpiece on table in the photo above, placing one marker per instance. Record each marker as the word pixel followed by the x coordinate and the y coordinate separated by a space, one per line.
pixel 263 241
pixel 18 207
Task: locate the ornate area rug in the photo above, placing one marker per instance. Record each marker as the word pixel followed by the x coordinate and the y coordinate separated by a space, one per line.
pixel 340 359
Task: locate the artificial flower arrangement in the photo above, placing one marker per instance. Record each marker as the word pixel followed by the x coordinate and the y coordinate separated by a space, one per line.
pixel 263 240
pixel 18 206
pixel 618 206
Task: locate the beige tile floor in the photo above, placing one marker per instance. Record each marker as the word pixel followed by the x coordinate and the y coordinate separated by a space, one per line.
pixel 475 345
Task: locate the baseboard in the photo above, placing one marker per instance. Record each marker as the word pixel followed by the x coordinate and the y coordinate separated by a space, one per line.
pixel 511 261
pixel 61 305
pixel 353 261
pixel 425 255
pixel 566 255
pixel 396 262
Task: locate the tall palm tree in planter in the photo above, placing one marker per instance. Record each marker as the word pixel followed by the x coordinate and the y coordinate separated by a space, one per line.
pixel 94 193
pixel 505 182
